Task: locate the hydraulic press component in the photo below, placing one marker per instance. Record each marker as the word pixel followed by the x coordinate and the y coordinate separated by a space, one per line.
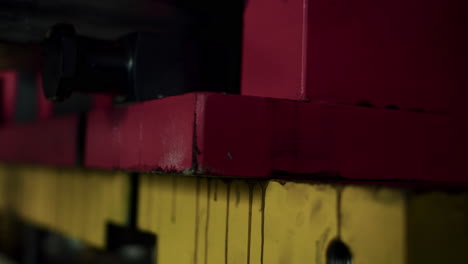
pixel 140 50
pixel 139 66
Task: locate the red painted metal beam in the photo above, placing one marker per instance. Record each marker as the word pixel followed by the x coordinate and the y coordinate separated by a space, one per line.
pixel 227 135
pixel 48 142
pixel 257 137
pixel 153 135
pixel 410 54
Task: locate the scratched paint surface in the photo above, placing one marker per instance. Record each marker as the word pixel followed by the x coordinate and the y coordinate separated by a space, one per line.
pixel 209 220
pixel 152 135
pixel 243 136
pixel 234 221
pixel 373 222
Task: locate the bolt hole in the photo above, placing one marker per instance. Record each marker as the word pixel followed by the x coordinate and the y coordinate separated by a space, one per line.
pixel 338 253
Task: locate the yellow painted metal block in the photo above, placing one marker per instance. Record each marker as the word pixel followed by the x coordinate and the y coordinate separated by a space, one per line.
pixel 107 201
pixel 77 203
pixel 144 200
pixel 61 198
pixel 237 235
pixel 40 183
pixel 29 200
pixel 160 189
pixel 4 176
pixel 119 198
pixel 176 236
pixel 257 220
pixel 384 225
pixel 233 221
pixel 20 196
pixel 437 227
pixel 75 199
pixel 171 214
pixel 23 195
pixel 215 231
pixel 209 221
pixel 373 224
pixel 300 220
pixel 200 220
pixel 94 234
pixel 82 200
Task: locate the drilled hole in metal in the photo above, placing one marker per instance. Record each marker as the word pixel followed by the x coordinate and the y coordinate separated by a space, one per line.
pixel 338 253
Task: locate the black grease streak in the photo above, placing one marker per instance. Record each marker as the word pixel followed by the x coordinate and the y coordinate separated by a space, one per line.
pixel 226 245
pixel 174 199
pixel 264 186
pixel 197 221
pixel 216 191
pixel 249 238
pixel 338 210
pixel 237 195
pixel 207 219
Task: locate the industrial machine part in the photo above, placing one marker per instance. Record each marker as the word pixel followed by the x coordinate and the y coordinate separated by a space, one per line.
pixel 365 163
pixel 155 48
pixel 139 66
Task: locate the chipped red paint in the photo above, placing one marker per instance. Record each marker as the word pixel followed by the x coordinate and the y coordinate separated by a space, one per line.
pixel 258 137
pixel 48 142
pixel 409 54
pixel 153 135
pixel 404 55
pixel 228 135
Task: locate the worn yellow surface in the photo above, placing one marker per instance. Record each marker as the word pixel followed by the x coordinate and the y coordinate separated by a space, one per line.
pixel 200 220
pixel 237 236
pixel 437 227
pixel 234 221
pixel 174 214
pixel 215 232
pixel 144 217
pixel 373 224
pixel 77 203
pixel 300 220
pixel 3 187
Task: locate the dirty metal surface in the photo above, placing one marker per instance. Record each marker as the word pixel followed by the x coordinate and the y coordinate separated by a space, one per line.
pixel 216 220
pixel 209 220
pixel 386 53
pixel 227 135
